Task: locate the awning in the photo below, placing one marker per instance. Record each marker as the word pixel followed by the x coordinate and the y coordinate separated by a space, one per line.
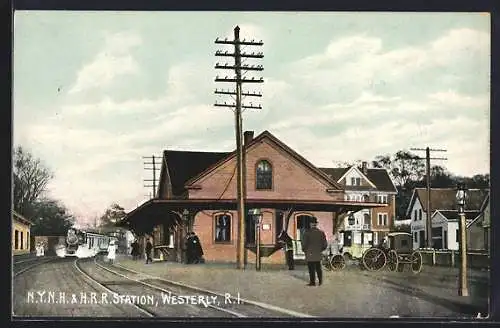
pixel 156 211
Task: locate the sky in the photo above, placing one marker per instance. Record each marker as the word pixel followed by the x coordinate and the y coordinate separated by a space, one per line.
pixel 95 92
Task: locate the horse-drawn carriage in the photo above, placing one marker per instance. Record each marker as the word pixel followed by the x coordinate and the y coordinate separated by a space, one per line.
pixel 396 252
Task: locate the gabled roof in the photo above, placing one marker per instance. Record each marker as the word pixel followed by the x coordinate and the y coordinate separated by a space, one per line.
pixel 184 165
pixel 378 176
pixel 482 210
pixel 443 199
pixel 453 215
pixel 267 135
pixel 20 218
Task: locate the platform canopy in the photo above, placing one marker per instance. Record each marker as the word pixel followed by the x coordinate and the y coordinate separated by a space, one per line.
pixel 169 211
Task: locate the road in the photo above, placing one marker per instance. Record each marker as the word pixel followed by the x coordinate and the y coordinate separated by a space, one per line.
pixel 48 288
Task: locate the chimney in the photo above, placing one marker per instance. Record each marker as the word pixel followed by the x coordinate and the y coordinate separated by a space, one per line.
pixel 364 168
pixel 247 137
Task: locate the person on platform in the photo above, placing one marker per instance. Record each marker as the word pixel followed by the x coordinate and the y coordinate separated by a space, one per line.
pixel 196 249
pixel 111 251
pixel 135 250
pixel 313 244
pixel 287 242
pixel 189 248
pixel 149 249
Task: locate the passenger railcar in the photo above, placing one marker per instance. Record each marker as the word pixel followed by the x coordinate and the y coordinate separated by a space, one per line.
pixel 85 243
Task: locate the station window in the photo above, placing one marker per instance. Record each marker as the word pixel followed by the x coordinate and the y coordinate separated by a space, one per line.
pixel 264 176
pixel 22 241
pixel 16 239
pixel 222 227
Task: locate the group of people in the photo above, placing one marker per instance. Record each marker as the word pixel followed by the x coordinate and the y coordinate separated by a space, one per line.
pixel 314 243
pixel 135 252
pixel 194 251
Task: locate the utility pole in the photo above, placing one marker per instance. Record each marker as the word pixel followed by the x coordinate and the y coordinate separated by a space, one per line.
pixel 237 107
pixel 428 221
pixel 151 166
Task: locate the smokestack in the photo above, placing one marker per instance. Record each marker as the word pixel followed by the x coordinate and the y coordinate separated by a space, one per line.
pixel 247 137
pixel 364 168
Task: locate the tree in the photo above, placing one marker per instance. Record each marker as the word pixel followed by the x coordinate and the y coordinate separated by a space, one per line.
pixel 30 178
pixel 112 216
pixel 50 218
pixel 404 167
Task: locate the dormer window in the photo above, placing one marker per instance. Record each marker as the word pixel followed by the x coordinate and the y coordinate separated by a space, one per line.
pixel 264 176
pixel 355 181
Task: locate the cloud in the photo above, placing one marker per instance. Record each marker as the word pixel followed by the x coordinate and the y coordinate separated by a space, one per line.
pixel 114 60
pixel 354 100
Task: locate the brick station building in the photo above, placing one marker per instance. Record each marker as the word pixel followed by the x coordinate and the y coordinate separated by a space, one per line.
pixel 197 192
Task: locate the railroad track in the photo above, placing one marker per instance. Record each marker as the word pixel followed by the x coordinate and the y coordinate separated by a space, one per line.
pixel 173 300
pixel 21 266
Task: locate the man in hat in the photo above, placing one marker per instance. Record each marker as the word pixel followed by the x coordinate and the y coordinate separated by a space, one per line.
pixel 149 249
pixel 313 244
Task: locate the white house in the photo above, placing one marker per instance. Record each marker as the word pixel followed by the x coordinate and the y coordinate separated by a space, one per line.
pixel 369 185
pixel 445 228
pixel 445 220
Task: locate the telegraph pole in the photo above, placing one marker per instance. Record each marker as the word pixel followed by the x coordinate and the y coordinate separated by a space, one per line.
pixel 428 221
pixel 151 166
pixel 237 107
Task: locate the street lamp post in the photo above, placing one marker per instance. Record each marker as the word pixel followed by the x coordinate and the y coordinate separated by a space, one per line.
pixel 257 216
pixel 461 198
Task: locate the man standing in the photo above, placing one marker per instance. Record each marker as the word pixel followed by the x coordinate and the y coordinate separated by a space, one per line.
pixel 287 242
pixel 313 244
pixel 149 248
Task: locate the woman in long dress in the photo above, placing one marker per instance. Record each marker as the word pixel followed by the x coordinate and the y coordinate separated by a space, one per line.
pixel 111 251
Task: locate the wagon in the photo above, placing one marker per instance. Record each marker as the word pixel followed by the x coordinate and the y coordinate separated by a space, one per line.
pixel 396 253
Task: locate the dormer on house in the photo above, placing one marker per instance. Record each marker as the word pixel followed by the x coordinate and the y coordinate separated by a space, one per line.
pixel 364 184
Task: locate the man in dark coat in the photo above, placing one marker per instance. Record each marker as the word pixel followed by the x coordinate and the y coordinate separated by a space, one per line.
pixel 149 249
pixel 189 248
pixel 197 250
pixel 287 242
pixel 313 244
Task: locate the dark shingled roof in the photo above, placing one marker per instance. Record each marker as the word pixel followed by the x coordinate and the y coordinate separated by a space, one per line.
pixel 453 215
pixel 379 177
pixel 183 165
pixel 444 199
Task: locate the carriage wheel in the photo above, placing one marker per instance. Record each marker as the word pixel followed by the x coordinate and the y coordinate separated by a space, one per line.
pixel 392 260
pixel 337 262
pixel 327 264
pixel 416 262
pixel 374 259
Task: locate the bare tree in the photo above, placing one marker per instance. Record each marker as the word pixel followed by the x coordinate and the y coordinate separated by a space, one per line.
pixel 30 179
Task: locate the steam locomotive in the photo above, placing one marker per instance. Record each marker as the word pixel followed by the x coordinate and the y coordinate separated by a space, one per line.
pixel 83 243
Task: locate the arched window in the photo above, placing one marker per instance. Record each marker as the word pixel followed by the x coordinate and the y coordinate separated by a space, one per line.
pixel 264 176
pixel 222 227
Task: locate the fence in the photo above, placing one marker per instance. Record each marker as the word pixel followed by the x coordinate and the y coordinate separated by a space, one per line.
pixel 475 259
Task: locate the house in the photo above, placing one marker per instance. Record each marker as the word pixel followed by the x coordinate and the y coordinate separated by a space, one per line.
pixel 478 230
pixel 200 188
pixel 372 185
pixel 444 218
pixel 20 234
